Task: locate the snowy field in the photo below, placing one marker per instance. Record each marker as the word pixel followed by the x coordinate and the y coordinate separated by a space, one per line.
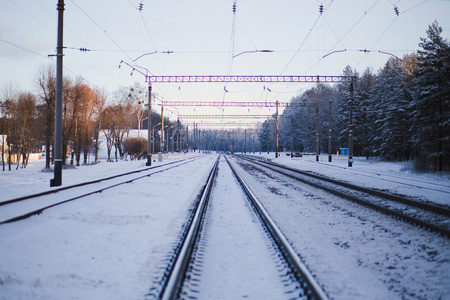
pixel 112 245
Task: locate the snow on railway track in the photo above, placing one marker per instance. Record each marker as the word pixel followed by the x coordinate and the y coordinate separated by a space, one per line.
pixel 427 215
pixel 355 252
pixel 26 206
pixel 232 249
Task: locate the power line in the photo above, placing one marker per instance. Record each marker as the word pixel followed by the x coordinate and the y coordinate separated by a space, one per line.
pixel 415 6
pixel 44 56
pixel 397 12
pixel 389 26
pixel 354 25
pixel 301 45
pixel 348 31
pixel 245 32
pixel 32 17
pixel 104 31
pixel 304 40
pixel 154 47
pixel 25 49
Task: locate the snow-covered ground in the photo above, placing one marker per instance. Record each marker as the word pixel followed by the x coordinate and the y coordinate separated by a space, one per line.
pixel 106 246
pixel 396 177
pixel 354 252
pixel 112 245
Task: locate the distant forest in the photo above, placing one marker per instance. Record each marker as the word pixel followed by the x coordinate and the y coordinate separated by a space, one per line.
pixel 400 113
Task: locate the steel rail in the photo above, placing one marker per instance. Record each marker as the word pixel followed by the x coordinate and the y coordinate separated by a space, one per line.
pixel 407 218
pixel 306 279
pixel 49 192
pixel 172 286
pixel 426 206
pixel 40 210
pixel 369 173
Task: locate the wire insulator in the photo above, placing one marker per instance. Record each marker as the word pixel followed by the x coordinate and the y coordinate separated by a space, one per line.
pixel 396 10
pixel 141 6
pixel 234 7
pixel 321 8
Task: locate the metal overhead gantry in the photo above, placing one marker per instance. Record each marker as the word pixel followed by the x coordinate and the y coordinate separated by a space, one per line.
pixel 239 104
pixel 262 79
pixel 276 104
pixel 229 124
pixel 246 78
pixel 224 116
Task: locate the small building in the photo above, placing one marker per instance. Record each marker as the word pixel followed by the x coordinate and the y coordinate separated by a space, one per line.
pixel 343 151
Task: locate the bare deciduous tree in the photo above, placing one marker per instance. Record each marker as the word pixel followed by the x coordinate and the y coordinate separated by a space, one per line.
pixel 46 81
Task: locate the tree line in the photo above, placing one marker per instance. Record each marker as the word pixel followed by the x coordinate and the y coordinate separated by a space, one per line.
pixel 400 113
pixel 27 120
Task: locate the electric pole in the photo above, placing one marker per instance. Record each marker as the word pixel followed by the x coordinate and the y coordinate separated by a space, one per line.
pixel 58 151
pixel 178 136
pixel 276 142
pixel 162 130
pixel 329 136
pixel 317 134
pixel 245 141
pixel 292 137
pixel 149 119
pixel 350 128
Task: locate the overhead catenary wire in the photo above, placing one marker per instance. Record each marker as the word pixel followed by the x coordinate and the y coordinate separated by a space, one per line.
pixel 301 45
pixel 47 56
pixel 16 3
pixel 354 25
pixel 51 58
pixel 371 49
pixel 366 12
pixel 306 37
pixel 386 30
pixel 231 51
pixel 25 49
pixel 155 48
pixel 245 32
pixel 68 43
pixel 101 28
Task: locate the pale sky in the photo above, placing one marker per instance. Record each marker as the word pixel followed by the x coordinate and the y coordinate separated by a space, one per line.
pixel 199 35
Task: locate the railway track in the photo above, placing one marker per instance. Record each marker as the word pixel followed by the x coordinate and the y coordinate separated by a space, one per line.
pixel 409 182
pixel 20 208
pixel 427 215
pixel 215 253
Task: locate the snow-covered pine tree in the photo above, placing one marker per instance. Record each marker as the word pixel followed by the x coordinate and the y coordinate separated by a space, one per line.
pixel 431 106
pixel 343 110
pixel 362 118
pixel 391 97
